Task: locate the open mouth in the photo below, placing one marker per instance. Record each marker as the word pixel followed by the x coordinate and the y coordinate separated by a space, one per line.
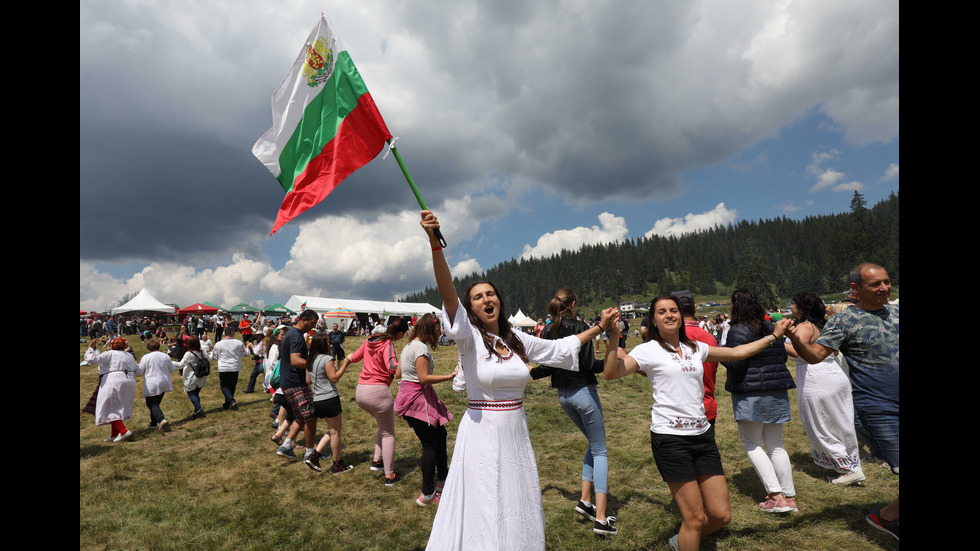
pixel 489 310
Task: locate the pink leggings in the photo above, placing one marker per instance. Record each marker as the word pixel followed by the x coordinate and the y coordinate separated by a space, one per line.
pixel 376 400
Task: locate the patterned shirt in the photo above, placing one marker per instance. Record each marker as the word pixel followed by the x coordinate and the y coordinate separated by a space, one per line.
pixel 869 341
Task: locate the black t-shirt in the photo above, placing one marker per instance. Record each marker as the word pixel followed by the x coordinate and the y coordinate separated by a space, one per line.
pixel 289 376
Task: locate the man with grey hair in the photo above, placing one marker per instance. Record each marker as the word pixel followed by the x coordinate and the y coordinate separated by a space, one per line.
pixel 867 335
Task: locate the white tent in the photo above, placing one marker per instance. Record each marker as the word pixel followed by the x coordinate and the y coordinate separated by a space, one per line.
pixel 520 319
pixel 144 302
pixel 380 308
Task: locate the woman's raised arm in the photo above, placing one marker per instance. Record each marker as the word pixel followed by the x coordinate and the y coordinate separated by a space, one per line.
pixel 444 278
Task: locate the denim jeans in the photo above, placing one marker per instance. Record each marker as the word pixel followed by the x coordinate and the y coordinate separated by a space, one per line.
pixel 882 429
pixel 583 407
pixel 195 397
pixel 153 404
pixel 229 380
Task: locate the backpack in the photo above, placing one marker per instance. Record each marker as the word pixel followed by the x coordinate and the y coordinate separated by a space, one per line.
pixel 274 378
pixel 202 368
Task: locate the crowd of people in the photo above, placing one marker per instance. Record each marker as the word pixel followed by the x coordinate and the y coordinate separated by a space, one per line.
pixel 487 492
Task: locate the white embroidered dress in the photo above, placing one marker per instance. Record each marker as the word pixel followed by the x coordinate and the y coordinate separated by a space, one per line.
pixel 492 496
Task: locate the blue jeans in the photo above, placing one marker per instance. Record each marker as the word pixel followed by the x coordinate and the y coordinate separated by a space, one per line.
pixel 583 407
pixel 882 429
pixel 153 403
pixel 195 397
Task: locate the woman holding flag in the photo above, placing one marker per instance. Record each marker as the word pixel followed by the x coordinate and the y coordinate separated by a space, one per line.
pixel 492 496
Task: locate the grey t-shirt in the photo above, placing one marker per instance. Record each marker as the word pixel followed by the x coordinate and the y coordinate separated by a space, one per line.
pixel 410 353
pixel 323 387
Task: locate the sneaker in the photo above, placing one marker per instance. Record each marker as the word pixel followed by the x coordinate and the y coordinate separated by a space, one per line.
pixel 672 542
pixel 587 511
pixel 605 527
pixel 164 426
pixel 286 452
pixel 234 405
pixel 339 467
pixel 440 485
pixel 110 439
pixel 277 439
pixel 198 413
pixel 424 500
pixel 390 480
pixel 377 466
pixel 770 505
pixel 122 437
pixel 275 424
pixel 152 427
pixel 887 526
pixel 791 501
pixel 313 461
pixel 853 477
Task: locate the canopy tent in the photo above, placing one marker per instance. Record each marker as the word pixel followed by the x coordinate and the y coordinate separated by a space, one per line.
pixel 520 319
pixel 198 308
pixel 380 308
pixel 277 308
pixel 242 308
pixel 206 303
pixel 144 302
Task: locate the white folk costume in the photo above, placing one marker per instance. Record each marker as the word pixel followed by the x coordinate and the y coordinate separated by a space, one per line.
pixel 823 396
pixel 492 496
pixel 117 389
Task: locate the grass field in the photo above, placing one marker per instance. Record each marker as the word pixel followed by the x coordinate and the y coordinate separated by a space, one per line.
pixel 216 483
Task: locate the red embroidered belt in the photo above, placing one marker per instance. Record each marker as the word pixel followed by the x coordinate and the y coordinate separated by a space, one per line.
pixel 498 405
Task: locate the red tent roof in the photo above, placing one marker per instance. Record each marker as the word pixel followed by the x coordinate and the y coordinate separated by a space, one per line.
pixel 198 309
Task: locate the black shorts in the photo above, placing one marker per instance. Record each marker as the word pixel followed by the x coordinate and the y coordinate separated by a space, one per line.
pixel 283 403
pixel 328 408
pixel 683 458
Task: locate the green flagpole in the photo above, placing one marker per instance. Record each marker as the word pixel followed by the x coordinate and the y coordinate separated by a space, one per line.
pixel 415 190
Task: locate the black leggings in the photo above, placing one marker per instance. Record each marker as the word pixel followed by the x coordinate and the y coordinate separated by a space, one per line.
pixel 433 453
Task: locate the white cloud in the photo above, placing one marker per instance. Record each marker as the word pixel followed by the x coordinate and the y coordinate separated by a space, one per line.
pixel 611 228
pixel 849 186
pixel 891 174
pixel 719 216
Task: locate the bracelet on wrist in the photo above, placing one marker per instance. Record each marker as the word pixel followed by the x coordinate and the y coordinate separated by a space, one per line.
pixel 437 248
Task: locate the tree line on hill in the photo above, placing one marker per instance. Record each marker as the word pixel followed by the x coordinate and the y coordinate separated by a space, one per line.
pixel 774 258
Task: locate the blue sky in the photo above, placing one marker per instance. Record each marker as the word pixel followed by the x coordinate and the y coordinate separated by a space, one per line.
pixel 527 128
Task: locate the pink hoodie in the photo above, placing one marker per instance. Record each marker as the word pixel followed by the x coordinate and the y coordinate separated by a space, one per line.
pixel 380 362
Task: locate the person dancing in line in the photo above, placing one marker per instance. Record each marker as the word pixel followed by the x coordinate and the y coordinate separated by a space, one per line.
pixel 373 395
pixel 322 378
pixel 682 439
pixel 579 398
pixel 760 399
pixel 823 396
pixel 117 388
pixel 194 367
pixel 419 406
pixel 156 367
pixel 492 496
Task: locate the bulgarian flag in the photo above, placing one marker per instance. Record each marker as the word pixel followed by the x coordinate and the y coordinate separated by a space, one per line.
pixel 325 125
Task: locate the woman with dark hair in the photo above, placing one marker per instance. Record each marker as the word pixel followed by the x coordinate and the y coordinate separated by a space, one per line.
pixel 117 388
pixel 419 406
pixel 682 439
pixel 374 396
pixel 322 378
pixel 156 367
pixel 823 396
pixel 579 398
pixel 492 497
pixel 760 399
pixel 193 363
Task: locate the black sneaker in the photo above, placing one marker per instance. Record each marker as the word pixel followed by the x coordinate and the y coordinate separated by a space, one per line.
pixel 390 481
pixel 313 461
pixel 339 467
pixel 234 405
pixel 587 511
pixel 377 465
pixel 606 528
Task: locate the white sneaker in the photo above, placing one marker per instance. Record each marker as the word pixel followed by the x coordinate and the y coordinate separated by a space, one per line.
pixel 853 477
pixel 164 426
